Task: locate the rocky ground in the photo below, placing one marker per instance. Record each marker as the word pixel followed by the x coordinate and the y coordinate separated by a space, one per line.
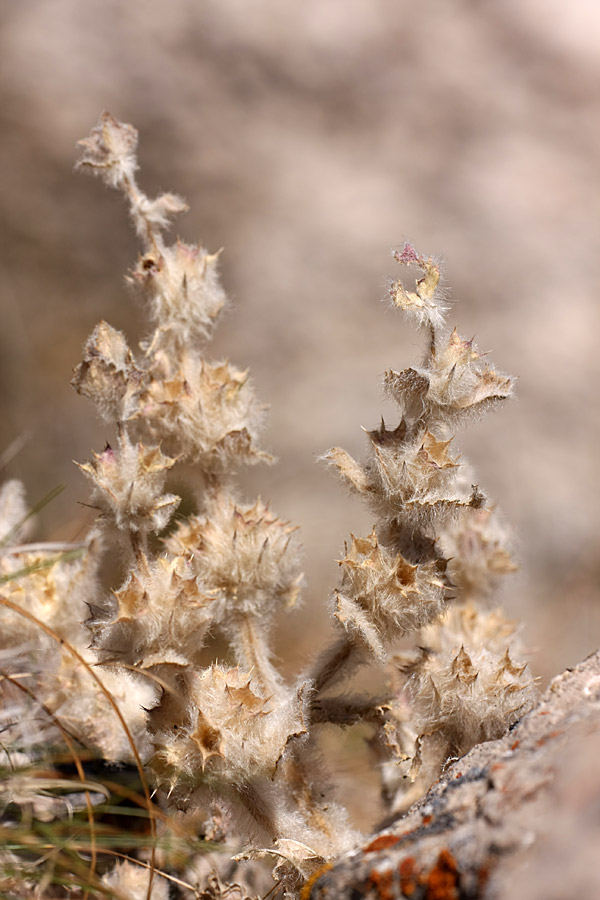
pixel 515 819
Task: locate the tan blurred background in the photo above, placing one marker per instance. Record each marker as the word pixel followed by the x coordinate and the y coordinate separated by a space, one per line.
pixel 310 137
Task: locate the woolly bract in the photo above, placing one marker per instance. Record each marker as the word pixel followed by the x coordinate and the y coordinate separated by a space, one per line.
pixel 244 556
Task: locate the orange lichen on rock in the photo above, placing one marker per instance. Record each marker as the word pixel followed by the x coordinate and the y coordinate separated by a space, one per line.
pixel 548 737
pixel 381 843
pixel 383 883
pixel 409 877
pixel 442 880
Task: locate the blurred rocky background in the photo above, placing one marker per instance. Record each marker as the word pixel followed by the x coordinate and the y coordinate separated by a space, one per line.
pixel 309 138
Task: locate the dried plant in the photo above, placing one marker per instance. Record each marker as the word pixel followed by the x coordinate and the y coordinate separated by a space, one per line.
pixel 232 749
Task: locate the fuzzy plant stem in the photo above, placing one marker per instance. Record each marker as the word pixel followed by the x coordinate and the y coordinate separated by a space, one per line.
pixel 252 653
pixel 337 662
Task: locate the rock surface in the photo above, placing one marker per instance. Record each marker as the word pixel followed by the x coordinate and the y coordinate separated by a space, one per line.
pixel 515 818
